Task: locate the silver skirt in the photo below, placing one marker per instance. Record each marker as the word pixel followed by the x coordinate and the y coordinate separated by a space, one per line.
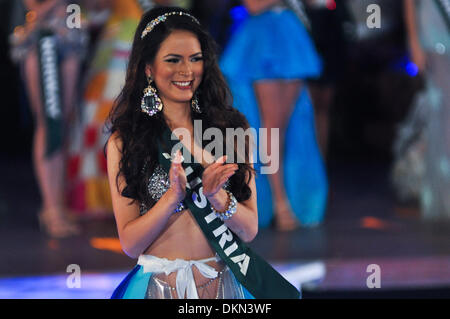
pixel 225 286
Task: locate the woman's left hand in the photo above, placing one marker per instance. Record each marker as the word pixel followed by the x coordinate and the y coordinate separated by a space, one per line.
pixel 216 175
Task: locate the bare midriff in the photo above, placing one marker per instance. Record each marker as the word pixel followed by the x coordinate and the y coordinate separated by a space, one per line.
pixel 183 239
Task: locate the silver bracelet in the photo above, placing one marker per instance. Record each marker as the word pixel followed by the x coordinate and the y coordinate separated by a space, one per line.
pixel 179 208
pixel 231 209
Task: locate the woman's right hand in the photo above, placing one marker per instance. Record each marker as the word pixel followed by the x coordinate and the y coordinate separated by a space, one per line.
pixel 177 178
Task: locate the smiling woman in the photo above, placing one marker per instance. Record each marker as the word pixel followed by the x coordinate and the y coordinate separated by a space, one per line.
pixel 178 68
pixel 171 215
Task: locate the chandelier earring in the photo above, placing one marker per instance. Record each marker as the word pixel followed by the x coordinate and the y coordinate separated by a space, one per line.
pixel 151 102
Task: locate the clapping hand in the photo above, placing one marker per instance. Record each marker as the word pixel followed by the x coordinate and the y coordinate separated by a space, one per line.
pixel 177 177
pixel 216 175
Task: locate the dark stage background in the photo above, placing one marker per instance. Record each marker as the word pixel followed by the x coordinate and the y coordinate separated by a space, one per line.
pixel 365 223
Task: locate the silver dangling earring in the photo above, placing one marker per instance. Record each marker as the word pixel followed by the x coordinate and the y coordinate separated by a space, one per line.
pixel 151 103
pixel 195 104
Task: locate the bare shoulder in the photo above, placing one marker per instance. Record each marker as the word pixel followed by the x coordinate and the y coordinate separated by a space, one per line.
pixel 115 141
pixel 113 158
pixel 113 155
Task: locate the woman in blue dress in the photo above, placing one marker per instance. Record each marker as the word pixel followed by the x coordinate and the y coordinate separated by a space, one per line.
pixel 265 63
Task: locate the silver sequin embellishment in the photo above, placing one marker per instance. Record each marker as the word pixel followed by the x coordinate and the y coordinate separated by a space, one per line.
pixel 158 184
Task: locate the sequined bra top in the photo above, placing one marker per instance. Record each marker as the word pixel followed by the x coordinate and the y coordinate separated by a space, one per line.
pixel 158 184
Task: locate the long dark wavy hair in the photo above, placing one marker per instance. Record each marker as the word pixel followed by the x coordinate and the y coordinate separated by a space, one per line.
pixel 139 132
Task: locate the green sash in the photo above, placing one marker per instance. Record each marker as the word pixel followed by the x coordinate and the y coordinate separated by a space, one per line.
pixel 254 273
pixel 50 91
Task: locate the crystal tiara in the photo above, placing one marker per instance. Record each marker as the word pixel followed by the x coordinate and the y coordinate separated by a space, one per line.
pixel 152 24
